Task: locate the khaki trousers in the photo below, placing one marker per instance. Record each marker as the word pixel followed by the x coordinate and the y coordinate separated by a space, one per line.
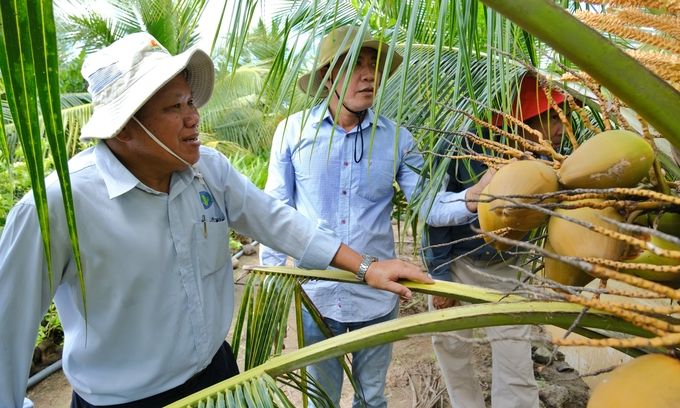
pixel 513 384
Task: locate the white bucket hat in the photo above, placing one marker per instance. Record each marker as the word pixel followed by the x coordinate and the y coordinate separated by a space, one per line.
pixel 338 42
pixel 124 75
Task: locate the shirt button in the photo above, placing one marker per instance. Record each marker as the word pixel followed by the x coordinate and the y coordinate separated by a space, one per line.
pixel 344 192
pixel 343 222
pixel 345 163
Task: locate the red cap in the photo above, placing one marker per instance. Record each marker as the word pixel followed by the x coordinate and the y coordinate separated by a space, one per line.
pixel 532 101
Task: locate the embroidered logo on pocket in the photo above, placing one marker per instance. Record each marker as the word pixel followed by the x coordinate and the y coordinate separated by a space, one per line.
pixel 206 199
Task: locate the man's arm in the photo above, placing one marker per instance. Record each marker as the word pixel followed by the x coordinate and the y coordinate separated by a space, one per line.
pixel 381 274
pixel 280 185
pixel 449 208
pixel 270 221
pixel 445 208
pixel 24 297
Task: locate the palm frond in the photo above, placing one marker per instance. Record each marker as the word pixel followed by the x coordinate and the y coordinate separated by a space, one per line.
pixel 5 151
pixel 29 40
pixel 502 310
pixel 94 25
pixel 267 304
pixel 74 118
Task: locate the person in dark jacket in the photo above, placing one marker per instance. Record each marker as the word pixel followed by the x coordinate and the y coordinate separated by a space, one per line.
pixel 449 257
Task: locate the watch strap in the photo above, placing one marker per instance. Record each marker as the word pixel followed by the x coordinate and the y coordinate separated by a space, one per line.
pixel 366 261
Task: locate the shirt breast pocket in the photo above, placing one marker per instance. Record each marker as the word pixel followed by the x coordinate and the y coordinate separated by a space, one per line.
pixel 377 179
pixel 212 241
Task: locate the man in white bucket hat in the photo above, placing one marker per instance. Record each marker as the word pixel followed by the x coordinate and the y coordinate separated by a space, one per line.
pixel 337 164
pixel 153 211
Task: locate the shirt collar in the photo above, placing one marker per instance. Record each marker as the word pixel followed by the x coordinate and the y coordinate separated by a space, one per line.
pixel 318 115
pixel 119 180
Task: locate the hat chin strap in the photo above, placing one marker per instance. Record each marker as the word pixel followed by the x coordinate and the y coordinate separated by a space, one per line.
pixel 167 149
pixel 161 144
pixel 357 113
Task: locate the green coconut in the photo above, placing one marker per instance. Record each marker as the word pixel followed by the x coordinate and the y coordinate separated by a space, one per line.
pixel 526 177
pixel 570 239
pixel 665 222
pixel 614 158
pixel 649 381
pixel 561 272
pixel 645 256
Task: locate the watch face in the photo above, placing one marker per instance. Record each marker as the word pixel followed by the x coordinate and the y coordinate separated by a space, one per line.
pixel 366 261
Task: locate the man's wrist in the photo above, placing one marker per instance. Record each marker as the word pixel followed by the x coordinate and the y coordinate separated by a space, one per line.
pixel 366 262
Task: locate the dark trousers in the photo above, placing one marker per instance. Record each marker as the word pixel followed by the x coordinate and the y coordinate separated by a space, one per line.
pixel 222 366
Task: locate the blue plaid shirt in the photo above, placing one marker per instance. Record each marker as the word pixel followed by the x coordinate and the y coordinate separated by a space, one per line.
pixel 313 168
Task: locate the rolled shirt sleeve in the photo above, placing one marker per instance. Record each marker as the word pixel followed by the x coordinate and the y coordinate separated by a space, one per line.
pixel 449 208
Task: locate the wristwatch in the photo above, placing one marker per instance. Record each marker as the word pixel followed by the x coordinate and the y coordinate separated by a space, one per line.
pixel 366 261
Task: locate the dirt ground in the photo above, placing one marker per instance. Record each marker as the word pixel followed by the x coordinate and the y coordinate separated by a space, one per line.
pixel 413 380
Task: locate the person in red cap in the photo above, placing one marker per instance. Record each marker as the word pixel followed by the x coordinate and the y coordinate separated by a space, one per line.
pixel 532 107
pixel 471 261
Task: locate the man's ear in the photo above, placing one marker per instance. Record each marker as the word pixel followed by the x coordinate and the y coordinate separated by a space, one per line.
pixel 125 133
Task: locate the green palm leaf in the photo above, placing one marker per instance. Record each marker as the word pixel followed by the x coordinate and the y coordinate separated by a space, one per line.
pixel 28 37
pixel 492 309
pixel 94 25
pixel 44 42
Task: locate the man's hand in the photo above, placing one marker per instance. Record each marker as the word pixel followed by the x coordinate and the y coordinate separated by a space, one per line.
pixel 442 302
pixel 385 274
pixel 472 193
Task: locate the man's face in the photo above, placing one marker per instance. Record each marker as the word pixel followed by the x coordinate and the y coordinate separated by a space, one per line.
pixel 549 125
pixel 363 82
pixel 171 116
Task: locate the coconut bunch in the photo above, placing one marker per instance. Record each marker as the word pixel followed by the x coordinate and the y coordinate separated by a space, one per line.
pixel 586 200
pixel 603 209
pixel 595 228
pixel 590 208
pixel 607 203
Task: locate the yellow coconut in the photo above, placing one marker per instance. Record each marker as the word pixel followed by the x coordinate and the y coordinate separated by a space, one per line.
pixel 524 177
pixel 638 256
pixel 614 158
pixel 649 381
pixel 489 221
pixel 570 239
pixel 563 273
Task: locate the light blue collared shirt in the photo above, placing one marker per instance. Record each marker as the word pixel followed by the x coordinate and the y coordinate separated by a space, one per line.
pixel 158 274
pixel 312 168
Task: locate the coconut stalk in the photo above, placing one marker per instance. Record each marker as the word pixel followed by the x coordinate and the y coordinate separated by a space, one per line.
pixel 650 96
pixel 471 316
